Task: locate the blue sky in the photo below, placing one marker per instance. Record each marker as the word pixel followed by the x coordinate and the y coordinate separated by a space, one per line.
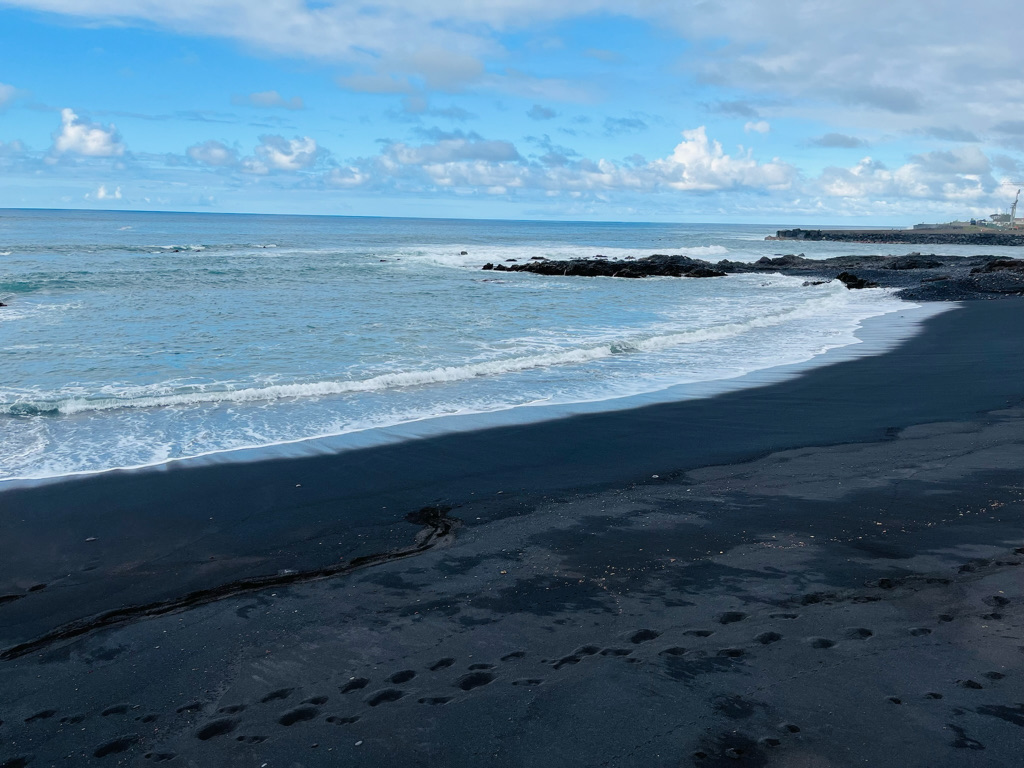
pixel 790 112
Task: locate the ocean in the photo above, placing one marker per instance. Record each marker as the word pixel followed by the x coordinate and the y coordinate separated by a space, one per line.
pixel 134 339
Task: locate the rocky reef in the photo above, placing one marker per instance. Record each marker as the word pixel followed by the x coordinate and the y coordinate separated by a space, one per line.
pixel 929 277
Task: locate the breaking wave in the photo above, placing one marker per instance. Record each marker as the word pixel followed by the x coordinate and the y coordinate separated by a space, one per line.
pixel 650 341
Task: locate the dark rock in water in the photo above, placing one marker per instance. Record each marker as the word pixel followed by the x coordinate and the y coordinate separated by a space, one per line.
pixel 1000 265
pixel 488 265
pixel 962 277
pixel 463 253
pixel 658 265
pixel 914 261
pixel 705 272
pixel 2 304
pixel 853 282
pixel 511 259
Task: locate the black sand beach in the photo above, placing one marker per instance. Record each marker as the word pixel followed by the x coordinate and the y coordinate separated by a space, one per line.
pixel 821 572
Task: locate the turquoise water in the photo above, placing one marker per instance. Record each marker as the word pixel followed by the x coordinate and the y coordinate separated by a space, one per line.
pixel 134 338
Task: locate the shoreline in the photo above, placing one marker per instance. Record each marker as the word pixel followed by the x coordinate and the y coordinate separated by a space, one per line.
pixel 875 335
pixel 820 571
pixel 217 523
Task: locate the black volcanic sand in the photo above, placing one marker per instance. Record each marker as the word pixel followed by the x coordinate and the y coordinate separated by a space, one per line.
pixel 823 572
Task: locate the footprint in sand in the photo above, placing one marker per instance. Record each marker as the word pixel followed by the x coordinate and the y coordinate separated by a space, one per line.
pixel 435 700
pixel 116 747
pixel 441 664
pixel 46 714
pixel 784 615
pixel 576 656
pixel 355 684
pixel 859 633
pixel 529 682
pixel 233 709
pixel 475 680
pixel 699 632
pixel 513 655
pixel 767 638
pixel 117 709
pixel 644 636
pixel 674 651
pixel 820 642
pixel 214 728
pixel 616 652
pixel 335 720
pixel 402 677
pixel 298 715
pixel 384 696
pixel 279 694
pixel 192 707
pixel 919 631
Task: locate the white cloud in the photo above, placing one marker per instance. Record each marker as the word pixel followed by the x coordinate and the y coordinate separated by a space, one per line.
pixel 454 147
pixel 761 126
pixel 102 193
pixel 870 62
pixel 699 164
pixel 268 100
pixel 213 153
pixel 887 55
pixel 468 161
pixel 80 137
pixel 273 153
pixel 276 153
pixel 963 175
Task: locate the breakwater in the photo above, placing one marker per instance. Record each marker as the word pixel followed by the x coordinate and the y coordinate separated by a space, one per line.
pixel 904 236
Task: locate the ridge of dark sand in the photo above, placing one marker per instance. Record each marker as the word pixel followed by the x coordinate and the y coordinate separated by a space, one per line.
pixel 843 588
pixel 166 532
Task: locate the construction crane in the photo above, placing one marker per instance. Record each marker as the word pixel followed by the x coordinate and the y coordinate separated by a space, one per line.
pixel 1010 220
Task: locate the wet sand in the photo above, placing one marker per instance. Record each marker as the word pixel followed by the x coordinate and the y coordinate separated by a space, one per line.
pixel 821 572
